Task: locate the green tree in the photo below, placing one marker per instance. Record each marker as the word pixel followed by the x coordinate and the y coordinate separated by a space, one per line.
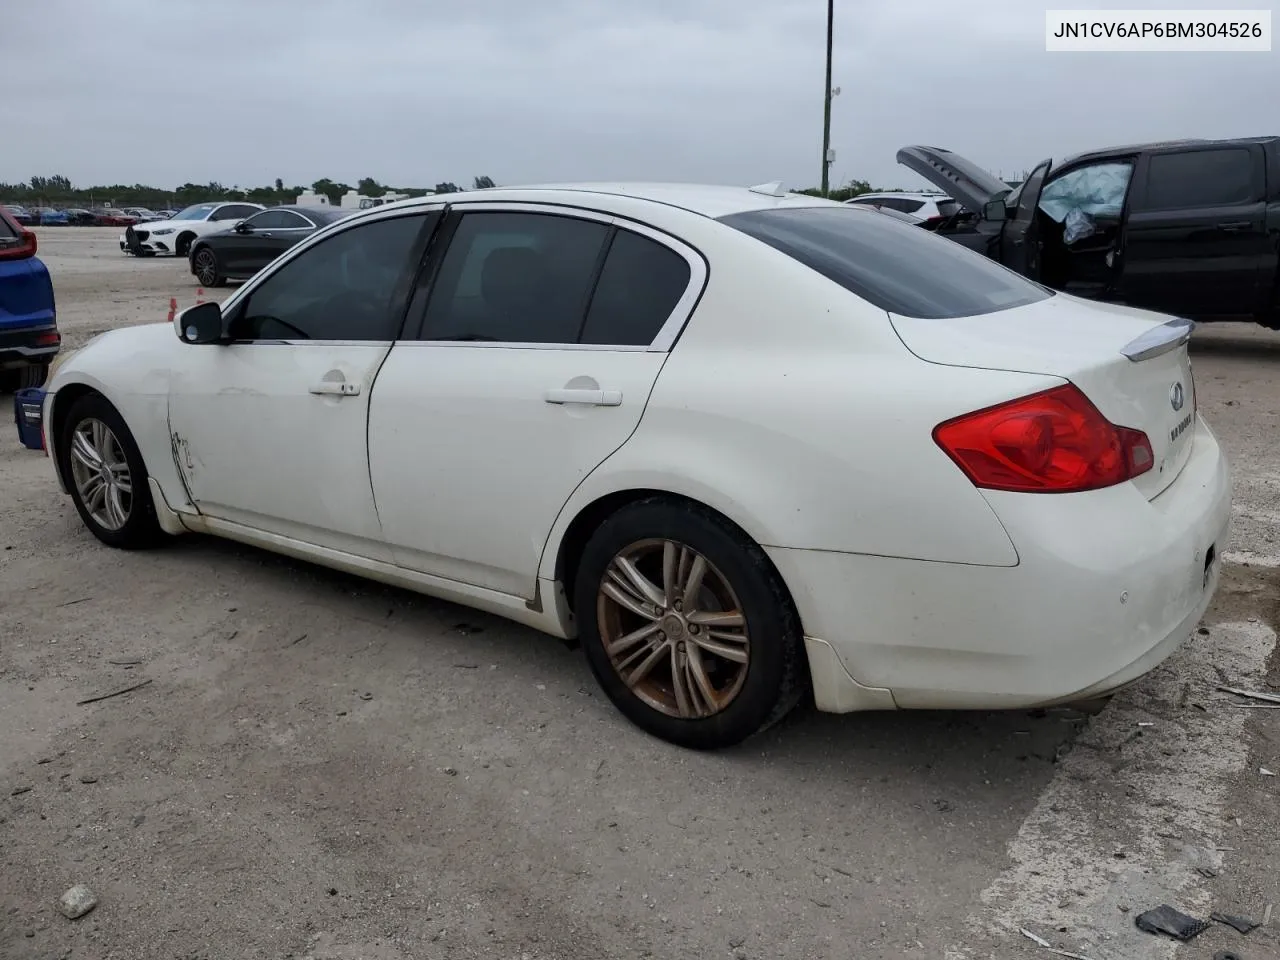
pixel 448 188
pixel 370 187
pixel 483 183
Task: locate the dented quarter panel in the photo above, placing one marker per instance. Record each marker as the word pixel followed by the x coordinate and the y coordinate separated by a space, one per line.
pixel 132 367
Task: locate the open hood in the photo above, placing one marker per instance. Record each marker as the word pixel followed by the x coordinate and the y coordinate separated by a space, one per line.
pixel 954 175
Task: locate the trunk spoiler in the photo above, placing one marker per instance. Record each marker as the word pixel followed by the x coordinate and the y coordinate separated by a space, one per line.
pixel 1158 340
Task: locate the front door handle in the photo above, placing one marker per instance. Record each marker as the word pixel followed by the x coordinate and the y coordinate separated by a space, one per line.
pixel 594 398
pixel 1235 226
pixel 336 388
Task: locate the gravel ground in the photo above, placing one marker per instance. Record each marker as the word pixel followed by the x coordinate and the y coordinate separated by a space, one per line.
pixel 320 767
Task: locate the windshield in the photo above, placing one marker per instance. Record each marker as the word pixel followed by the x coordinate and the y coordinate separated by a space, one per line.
pixel 899 268
pixel 197 212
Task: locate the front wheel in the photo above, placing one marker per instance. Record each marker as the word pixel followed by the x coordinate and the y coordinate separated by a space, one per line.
pixel 207 269
pixel 687 626
pixel 106 475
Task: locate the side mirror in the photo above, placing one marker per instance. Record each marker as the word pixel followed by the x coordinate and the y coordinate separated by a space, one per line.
pixel 200 324
pixel 994 210
pixel 243 227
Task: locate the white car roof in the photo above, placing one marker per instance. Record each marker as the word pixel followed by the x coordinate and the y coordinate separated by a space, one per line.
pixel 705 199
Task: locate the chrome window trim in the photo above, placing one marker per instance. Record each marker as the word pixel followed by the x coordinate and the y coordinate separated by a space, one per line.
pixel 671 327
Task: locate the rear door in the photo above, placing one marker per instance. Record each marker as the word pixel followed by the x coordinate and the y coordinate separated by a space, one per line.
pixel 1020 240
pixel 1195 240
pixel 541 332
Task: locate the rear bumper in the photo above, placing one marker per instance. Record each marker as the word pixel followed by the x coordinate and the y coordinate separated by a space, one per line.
pixel 28 345
pixel 1107 586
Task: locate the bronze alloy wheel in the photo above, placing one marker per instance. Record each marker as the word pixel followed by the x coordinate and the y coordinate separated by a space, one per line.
pixel 673 629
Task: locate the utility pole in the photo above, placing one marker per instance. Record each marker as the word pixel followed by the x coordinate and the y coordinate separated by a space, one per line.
pixel 826 106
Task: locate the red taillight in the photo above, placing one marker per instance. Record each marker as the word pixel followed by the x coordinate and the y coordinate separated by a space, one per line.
pixel 1050 442
pixel 26 247
pixel 50 339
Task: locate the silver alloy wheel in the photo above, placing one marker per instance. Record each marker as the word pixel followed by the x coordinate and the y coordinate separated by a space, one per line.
pixel 100 471
pixel 207 267
pixel 673 629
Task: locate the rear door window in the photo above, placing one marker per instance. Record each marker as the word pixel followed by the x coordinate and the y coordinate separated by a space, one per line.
pixel 893 265
pixel 639 287
pixel 1199 178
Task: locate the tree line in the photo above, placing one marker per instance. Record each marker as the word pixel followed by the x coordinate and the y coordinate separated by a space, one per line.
pixel 58 191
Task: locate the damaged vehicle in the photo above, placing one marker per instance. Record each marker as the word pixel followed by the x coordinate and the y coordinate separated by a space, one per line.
pixel 1189 227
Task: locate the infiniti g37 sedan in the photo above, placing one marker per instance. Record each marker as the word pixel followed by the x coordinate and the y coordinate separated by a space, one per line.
pixel 744 447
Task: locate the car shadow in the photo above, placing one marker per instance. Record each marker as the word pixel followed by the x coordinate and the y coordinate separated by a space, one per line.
pixel 943 756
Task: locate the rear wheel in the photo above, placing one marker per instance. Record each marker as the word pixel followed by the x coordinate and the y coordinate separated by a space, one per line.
pixel 183 244
pixel 106 475
pixel 687 626
pixel 207 269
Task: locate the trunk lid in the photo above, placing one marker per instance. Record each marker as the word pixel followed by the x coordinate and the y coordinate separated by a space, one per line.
pixel 1132 364
pixel 953 175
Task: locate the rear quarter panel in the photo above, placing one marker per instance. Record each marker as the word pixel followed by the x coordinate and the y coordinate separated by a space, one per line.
pixel 790 406
pixel 26 293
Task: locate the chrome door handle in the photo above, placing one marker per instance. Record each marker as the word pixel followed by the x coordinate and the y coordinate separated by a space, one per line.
pixel 594 398
pixel 338 388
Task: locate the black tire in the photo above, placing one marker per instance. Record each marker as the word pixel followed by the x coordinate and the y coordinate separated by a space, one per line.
pixel 205 265
pixel 183 244
pixel 33 375
pixel 141 529
pixel 776 676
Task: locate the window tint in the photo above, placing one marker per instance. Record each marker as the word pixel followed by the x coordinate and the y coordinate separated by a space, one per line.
pixel 346 287
pixel 233 211
pixel 905 204
pixel 641 283
pixel 515 278
pixel 893 265
pixel 276 220
pixel 1199 178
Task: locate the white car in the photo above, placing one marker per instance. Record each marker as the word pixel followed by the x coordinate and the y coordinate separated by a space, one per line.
pixel 172 237
pixel 923 206
pixel 743 446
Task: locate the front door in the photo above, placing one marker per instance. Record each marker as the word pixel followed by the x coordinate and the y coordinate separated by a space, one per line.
pixel 1020 239
pixel 541 337
pixel 269 430
pixel 1196 242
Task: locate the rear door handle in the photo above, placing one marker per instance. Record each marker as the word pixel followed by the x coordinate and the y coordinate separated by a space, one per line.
pixel 338 388
pixel 1235 226
pixel 595 398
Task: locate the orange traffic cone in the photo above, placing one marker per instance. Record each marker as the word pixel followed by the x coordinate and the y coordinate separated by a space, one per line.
pixel 173 308
pixel 199 294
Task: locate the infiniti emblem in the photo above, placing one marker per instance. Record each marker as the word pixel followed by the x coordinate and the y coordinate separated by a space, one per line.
pixel 1176 398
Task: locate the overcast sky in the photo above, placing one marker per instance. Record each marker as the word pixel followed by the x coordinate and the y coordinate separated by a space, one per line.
pixel 412 92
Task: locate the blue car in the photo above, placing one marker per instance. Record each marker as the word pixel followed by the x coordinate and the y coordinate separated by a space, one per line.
pixel 29 338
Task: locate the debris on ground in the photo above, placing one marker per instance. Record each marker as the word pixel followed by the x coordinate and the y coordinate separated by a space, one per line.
pixel 1042 942
pixel 1243 924
pixel 1266 914
pixel 1227 955
pixel 77 901
pixel 1252 694
pixel 1265 772
pixel 1165 919
pixel 20 790
pixel 114 693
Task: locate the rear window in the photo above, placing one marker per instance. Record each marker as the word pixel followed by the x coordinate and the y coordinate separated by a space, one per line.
pixel 948 208
pixel 7 229
pixel 897 267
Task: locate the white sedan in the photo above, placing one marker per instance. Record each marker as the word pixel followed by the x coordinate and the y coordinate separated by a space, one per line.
pixel 173 237
pixel 744 446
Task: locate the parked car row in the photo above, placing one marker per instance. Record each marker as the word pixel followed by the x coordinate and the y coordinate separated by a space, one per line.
pixel 1187 227
pixel 81 217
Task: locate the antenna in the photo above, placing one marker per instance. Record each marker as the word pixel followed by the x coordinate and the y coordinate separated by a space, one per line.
pixel 772 189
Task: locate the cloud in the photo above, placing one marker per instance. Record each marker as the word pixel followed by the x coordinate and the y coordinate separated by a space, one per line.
pixel 412 92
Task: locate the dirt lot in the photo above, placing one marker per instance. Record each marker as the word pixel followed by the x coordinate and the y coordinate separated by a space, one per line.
pixel 324 768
